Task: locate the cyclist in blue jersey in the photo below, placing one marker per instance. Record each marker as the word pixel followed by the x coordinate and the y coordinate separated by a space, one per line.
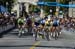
pixel 55 22
pixel 55 28
pixel 42 22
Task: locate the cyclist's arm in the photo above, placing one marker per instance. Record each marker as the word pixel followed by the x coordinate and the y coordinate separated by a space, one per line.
pixel 18 20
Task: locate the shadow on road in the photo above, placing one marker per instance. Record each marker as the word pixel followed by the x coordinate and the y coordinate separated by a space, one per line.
pixel 38 46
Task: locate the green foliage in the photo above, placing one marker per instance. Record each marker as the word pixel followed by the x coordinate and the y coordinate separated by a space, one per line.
pixel 64 2
pixel 47 8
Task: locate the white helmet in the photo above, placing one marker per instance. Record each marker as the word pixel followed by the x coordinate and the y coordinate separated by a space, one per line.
pixel 48 19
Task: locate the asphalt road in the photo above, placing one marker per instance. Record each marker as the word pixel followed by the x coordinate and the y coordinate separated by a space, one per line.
pixel 11 41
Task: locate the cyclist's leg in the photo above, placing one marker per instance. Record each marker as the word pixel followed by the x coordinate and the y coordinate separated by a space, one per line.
pixel 42 31
pixel 50 33
pixel 53 31
pixel 36 31
pixel 23 29
pixel 47 34
pixel 20 30
pixel 57 31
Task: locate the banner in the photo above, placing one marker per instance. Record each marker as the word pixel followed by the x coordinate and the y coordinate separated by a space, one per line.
pixel 55 4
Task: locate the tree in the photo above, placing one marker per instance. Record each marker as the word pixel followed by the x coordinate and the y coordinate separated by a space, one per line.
pixel 47 8
pixel 64 2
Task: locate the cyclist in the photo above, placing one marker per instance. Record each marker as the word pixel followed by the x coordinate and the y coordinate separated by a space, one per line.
pixel 36 24
pixel 21 23
pixel 39 28
pixel 42 24
pixel 55 25
pixel 47 28
pixel 29 25
pixel 51 25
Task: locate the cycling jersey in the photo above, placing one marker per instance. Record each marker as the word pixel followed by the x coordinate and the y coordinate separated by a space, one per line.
pixel 21 21
pixel 51 23
pixel 47 23
pixel 36 23
pixel 55 22
pixel 42 21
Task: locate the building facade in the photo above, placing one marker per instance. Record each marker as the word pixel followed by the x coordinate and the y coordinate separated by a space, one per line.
pixel 72 10
pixel 23 5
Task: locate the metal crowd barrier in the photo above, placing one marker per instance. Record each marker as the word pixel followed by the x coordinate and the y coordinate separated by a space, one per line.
pixel 6 29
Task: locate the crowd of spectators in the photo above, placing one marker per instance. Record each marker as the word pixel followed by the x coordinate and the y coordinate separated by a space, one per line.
pixel 6 19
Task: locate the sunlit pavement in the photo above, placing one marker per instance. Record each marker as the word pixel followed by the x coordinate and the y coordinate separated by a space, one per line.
pixel 12 41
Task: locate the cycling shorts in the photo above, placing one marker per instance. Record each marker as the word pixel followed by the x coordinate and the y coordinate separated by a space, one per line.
pixel 43 24
pixel 48 25
pixel 37 24
pixel 20 23
pixel 55 24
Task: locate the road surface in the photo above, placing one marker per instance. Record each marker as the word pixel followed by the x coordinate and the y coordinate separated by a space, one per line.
pixel 11 41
